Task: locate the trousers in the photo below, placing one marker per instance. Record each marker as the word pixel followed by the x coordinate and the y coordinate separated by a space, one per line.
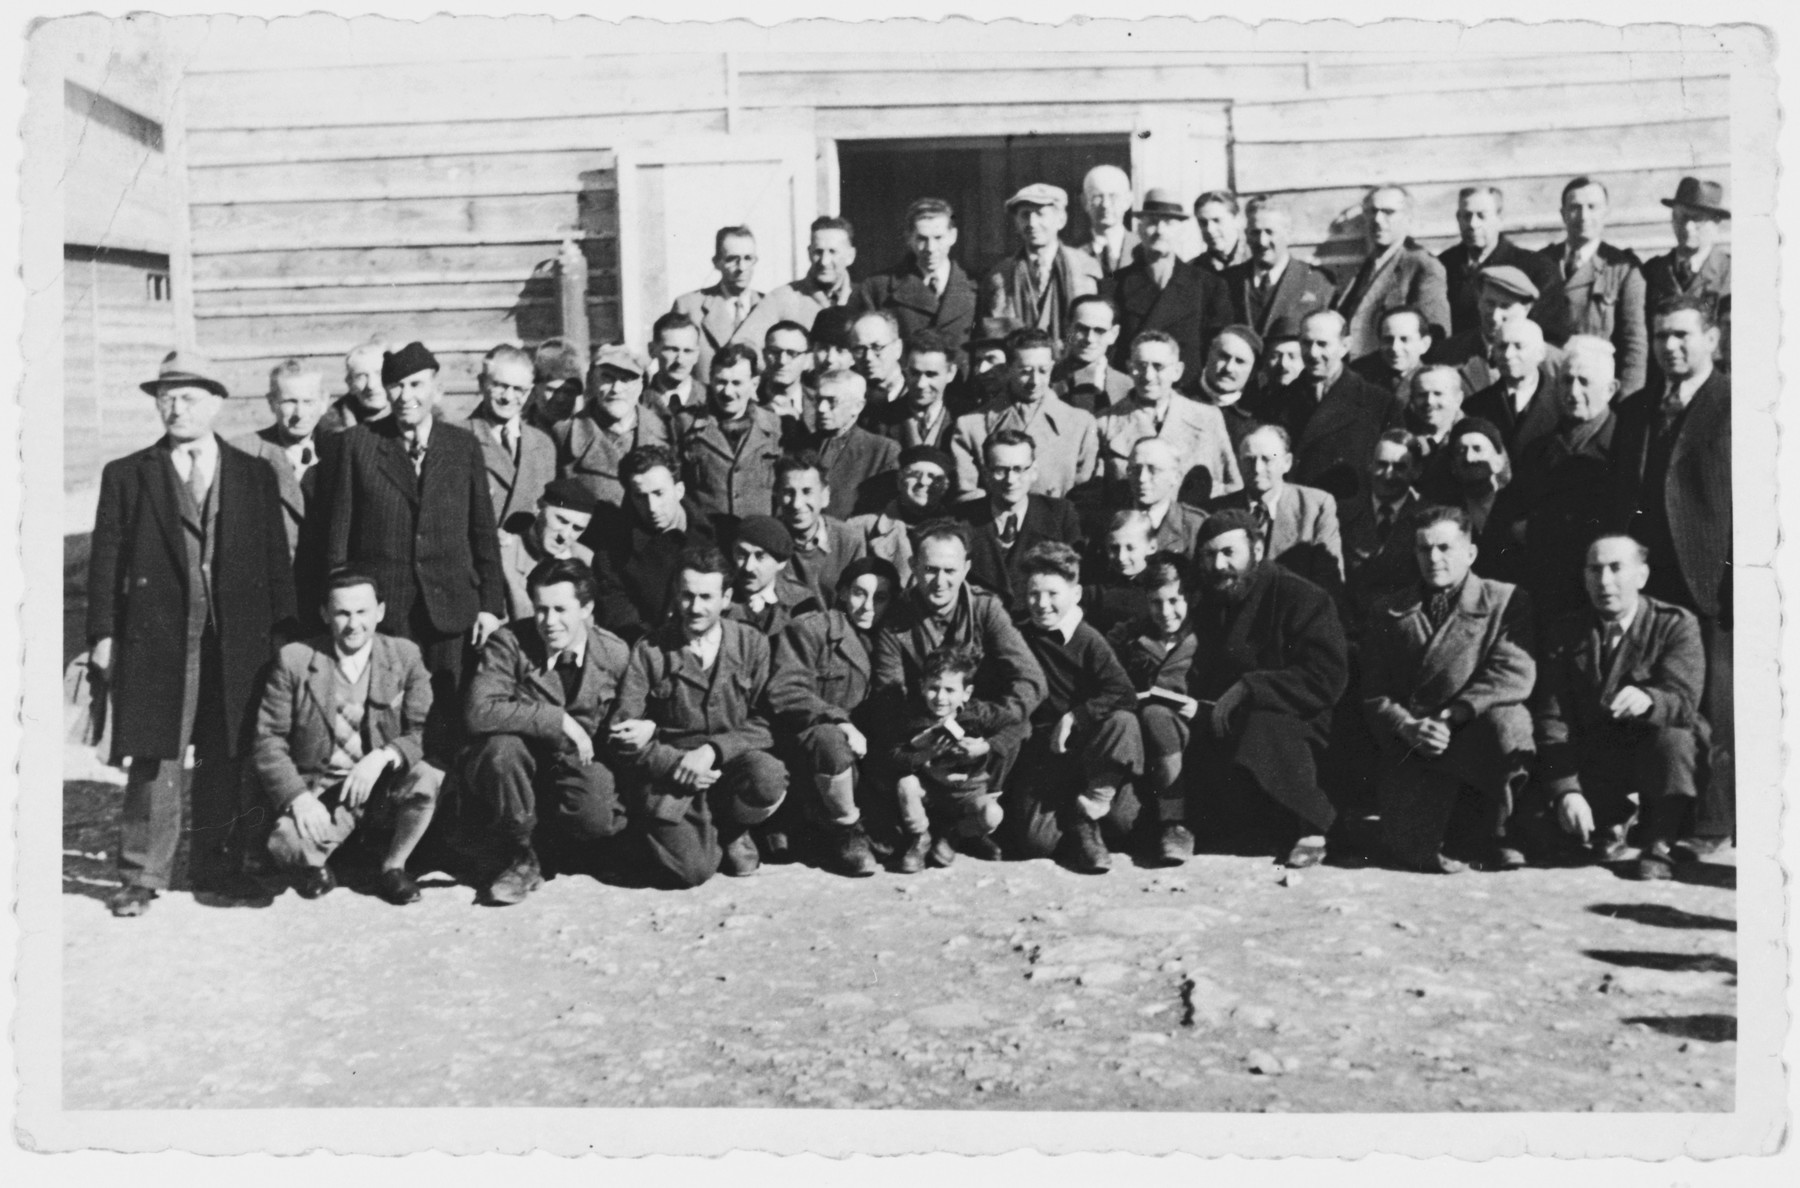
pixel 514 787
pixel 1043 799
pixel 682 829
pixel 292 850
pixel 1658 763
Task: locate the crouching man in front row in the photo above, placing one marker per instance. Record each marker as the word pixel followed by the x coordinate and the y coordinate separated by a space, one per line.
pixel 339 743
pixel 690 724
pixel 1617 712
pixel 533 773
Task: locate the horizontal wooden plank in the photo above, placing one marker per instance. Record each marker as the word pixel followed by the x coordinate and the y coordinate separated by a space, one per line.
pixel 375 141
pixel 333 333
pixel 1525 107
pixel 266 226
pixel 451 262
pixel 1647 239
pixel 399 299
pixel 1664 146
pixel 248 287
pixel 1074 85
pixel 455 175
pixel 1363 73
pixel 1023 119
pixel 429 92
pixel 814 64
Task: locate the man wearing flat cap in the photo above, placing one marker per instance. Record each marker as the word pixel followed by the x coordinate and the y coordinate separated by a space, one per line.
pixel 410 505
pixel 1159 291
pixel 1700 264
pixel 189 579
pixel 1504 296
pixel 1036 286
pixel 612 422
pixel 553 533
pixel 1482 246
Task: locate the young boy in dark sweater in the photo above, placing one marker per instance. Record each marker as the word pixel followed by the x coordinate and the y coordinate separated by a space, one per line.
pixel 1116 596
pixel 943 764
pixel 1157 649
pixel 1088 716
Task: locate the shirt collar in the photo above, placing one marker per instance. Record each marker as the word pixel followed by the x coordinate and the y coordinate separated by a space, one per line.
pixel 707 646
pixel 353 664
pixel 1065 626
pixel 1274 273
pixel 765 598
pixel 1581 255
pixel 1272 500
pixel 422 431
pixel 578 650
pixel 1686 389
pixel 1624 623
pixel 205 448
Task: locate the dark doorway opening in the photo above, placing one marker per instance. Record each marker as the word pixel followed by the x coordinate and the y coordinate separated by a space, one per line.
pixel 877 179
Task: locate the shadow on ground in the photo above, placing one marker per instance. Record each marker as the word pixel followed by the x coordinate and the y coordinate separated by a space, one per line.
pixel 1714 1029
pixel 1661 915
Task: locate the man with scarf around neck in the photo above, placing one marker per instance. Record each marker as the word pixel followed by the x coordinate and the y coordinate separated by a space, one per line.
pixel 763 596
pixel 1446 669
pixel 921 485
pixel 1270 662
pixel 822 668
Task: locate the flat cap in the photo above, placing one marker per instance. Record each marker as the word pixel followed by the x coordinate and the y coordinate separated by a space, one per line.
pixel 185 369
pixel 1508 279
pixel 621 358
pixel 768 534
pixel 1232 519
pixel 1039 194
pixel 926 453
pixel 569 493
pixel 408 360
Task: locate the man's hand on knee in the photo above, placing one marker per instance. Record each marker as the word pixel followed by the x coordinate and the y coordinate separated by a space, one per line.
pixel 311 819
pixel 361 780
pixel 582 741
pixel 696 769
pixel 859 746
pixel 1575 815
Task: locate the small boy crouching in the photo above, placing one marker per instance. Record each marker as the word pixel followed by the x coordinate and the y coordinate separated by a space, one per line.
pixel 943 765
pixel 1089 714
pixel 1156 650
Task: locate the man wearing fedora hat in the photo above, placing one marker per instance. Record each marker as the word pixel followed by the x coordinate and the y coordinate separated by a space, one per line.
pixel 1160 291
pixel 1700 264
pixel 1035 286
pixel 410 504
pixel 188 581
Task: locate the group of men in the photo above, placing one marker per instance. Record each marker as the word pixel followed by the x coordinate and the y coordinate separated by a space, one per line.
pixel 848 571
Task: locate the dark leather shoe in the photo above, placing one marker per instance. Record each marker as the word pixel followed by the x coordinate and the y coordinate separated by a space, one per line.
pixel 1696 848
pixel 777 847
pixel 847 852
pixel 942 853
pixel 130 901
pixel 740 859
pixel 1443 864
pixel 1654 865
pixel 1175 845
pixel 517 881
pixel 1504 857
pixel 983 847
pixel 1610 844
pixel 912 858
pixel 1087 849
pixel 315 881
pixel 1305 854
pixel 397 887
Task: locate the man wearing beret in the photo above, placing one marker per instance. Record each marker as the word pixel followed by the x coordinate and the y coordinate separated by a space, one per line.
pixel 1270 662
pixel 189 579
pixel 1483 246
pixel 1598 288
pixel 1036 286
pixel 1700 264
pixel 553 533
pixel 763 596
pixel 410 505
pixel 612 422
pixel 1396 272
pixel 1159 291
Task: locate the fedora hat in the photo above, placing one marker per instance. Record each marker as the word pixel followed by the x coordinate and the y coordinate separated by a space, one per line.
pixel 1708 196
pixel 185 369
pixel 1159 203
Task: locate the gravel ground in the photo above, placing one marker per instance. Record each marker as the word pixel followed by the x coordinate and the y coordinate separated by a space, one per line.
pixel 1223 985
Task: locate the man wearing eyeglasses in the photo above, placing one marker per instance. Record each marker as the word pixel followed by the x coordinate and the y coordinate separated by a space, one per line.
pixel 875 349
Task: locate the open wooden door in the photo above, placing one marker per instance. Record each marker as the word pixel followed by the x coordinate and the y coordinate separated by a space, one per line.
pixel 675 194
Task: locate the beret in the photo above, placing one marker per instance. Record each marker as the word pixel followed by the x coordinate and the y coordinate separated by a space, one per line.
pixel 1479 425
pixel 1508 279
pixel 869 563
pixel 1039 194
pixel 569 493
pixel 931 454
pixel 832 326
pixel 768 534
pixel 1232 519
pixel 1282 328
pixel 408 360
pixel 621 358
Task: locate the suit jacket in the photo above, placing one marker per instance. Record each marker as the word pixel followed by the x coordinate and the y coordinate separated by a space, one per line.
pixel 1303 534
pixel 514 487
pixel 138 593
pixel 1008 676
pixel 710 309
pixel 902 291
pixel 1195 306
pixel 1334 439
pixel 1067 444
pixel 1519 429
pixel 427 538
pixel 821 671
pixel 513 693
pixel 635 567
pixel 1411 276
pixel 1467 351
pixel 1695 497
pixel 723 479
pixel 1092 389
pixel 294 735
pixel 799 301
pixel 692 707
pixel 1713 279
pixel 1283 643
pixel 995 567
pixel 1481 655
pixel 859 467
pixel 1661 654
pixel 886 535
pixel 1193 429
pixel 1564 485
pixel 296 493
pixel 517 561
pixel 1605 298
pixel 1179 527
pixel 591 455
pixel 893 420
pixel 1006 290
pixel 1374 568
pixel 1462 277
pixel 1303 289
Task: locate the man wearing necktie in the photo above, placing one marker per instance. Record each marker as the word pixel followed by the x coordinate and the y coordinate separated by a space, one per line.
pixel 1377 549
pixel 189 579
pixel 520 458
pixel 1617 711
pixel 731 309
pixel 1106 196
pixel 927 289
pixel 1035 286
pixel 1396 272
pixel 1272 284
pixel 290 448
pixel 1597 289
pixel 410 502
pixel 1699 263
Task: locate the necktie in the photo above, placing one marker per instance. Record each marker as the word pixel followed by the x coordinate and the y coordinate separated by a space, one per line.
pixel 1609 648
pixel 1384 524
pixel 569 673
pixel 936 283
pixel 197 483
pixel 1571 262
pixel 1671 409
pixel 1263 522
pixel 415 450
pixel 1437 609
pixel 509 437
pixel 306 456
pixel 1109 259
pixel 1009 529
